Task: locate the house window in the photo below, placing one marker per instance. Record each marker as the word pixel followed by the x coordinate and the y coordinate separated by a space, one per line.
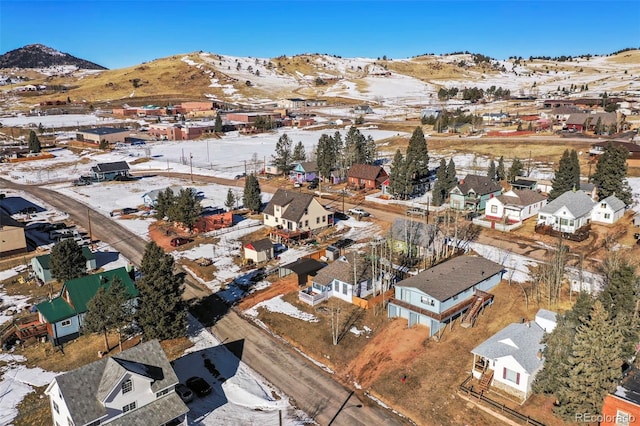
pixel 427 301
pixel 306 223
pixel 266 217
pixel 306 211
pixel 344 288
pixel 494 209
pixel 564 222
pixel 277 220
pixel 55 407
pixel 603 205
pixel 455 297
pixel 129 407
pixel 622 418
pixel 336 287
pixel 324 219
pixel 511 376
pixel 317 220
pixel 607 215
pixel 162 393
pixel 66 323
pixel 127 386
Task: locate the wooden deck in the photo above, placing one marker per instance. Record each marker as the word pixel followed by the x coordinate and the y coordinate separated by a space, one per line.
pixel 442 317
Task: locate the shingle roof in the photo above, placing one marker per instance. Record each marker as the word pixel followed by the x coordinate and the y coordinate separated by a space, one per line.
pixel 577 202
pixel 153 194
pixel 116 166
pixel 264 244
pixel 452 277
pixel 293 204
pixel 366 171
pixel 481 185
pixel 518 340
pixel 614 202
pixel 80 387
pixel 159 412
pixel 343 270
pixel 304 266
pixel 309 166
pixel 418 233
pixel 104 130
pixel 521 197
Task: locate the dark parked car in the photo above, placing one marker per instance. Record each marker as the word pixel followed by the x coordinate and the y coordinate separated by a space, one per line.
pixel 344 242
pixel 184 393
pixel 81 182
pixel 240 176
pixel 313 185
pixel 179 241
pixel 341 216
pixel 199 386
pixel 124 178
pixel 128 210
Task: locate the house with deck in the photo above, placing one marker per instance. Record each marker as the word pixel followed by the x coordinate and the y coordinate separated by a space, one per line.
pixel 295 213
pixel 567 213
pixel 348 277
pixel 515 206
pixel 510 359
pixel 134 387
pixel 608 211
pixel 64 314
pixel 109 171
pixel 452 289
pixel 305 171
pixel 40 264
pixel 473 192
pixel 366 176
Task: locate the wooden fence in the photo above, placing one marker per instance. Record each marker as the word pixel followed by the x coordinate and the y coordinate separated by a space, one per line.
pixel 503 409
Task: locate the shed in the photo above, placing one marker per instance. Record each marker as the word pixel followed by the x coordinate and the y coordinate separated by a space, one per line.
pixel 40 264
pixel 303 268
pixel 259 251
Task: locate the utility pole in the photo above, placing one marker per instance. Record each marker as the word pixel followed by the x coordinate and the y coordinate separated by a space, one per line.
pixel 191 166
pixel 89 219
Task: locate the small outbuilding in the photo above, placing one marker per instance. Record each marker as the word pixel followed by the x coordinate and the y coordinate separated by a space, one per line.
pixel 303 268
pixel 259 251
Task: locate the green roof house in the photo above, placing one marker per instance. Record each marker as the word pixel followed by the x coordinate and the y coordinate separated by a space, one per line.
pixel 40 265
pixel 64 314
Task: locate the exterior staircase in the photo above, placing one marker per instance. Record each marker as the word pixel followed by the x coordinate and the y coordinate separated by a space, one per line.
pixel 485 381
pixel 471 314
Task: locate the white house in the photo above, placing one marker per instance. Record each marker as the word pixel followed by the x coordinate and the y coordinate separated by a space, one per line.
pixel 515 206
pixel 40 264
pixel 510 359
pixel 583 280
pixel 608 211
pixel 259 250
pixel 567 213
pixel 296 211
pixel 136 387
pixel 149 198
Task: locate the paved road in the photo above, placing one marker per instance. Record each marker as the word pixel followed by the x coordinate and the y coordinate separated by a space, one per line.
pixel 312 389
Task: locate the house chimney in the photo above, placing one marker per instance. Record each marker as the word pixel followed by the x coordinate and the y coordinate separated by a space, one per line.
pixel 539 354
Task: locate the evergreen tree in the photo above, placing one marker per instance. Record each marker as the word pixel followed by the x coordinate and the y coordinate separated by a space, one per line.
pixel 186 209
pixel 610 175
pixel 66 261
pixel 567 176
pixel 299 153
pixel 417 154
pixel 161 311
pixel 515 170
pixel 325 155
pixel 34 142
pixel 122 310
pixel 217 127
pixel 370 150
pixel 97 319
pixel 451 179
pixel 354 148
pixel 109 309
pixel 598 127
pixel 595 365
pixel 283 156
pixel 491 172
pixel 500 170
pixel 252 193
pixel 338 149
pixel 439 192
pixel 164 202
pixel 397 175
pixel 230 201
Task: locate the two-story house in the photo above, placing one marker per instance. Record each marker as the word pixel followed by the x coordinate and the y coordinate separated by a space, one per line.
pixel 567 213
pixel 40 264
pixel 136 387
pixel 366 176
pixel 296 211
pixel 439 295
pixel 64 314
pixel 305 171
pixel 515 206
pixel 473 192
pixel 608 211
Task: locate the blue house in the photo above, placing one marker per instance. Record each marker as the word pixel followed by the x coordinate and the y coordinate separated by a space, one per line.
pixel 472 193
pixel 441 294
pixel 305 171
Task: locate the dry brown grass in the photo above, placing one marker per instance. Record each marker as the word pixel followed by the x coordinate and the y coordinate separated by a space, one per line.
pixel 632 57
pixel 34 409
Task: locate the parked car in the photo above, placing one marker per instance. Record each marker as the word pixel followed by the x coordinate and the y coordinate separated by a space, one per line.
pixel 81 182
pixel 129 210
pixel 184 393
pixel 199 386
pixel 341 216
pixel 240 176
pixel 124 178
pixel 344 242
pixel 180 241
pixel 313 185
pixel 359 212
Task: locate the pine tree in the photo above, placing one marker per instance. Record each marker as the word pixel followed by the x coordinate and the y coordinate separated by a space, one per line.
pixel 66 261
pixel 370 150
pixel 500 170
pixel 164 203
pixel 610 175
pixel 299 153
pixel 34 142
pixel 283 156
pixel 230 201
pixel 440 191
pixel 122 310
pixel 595 365
pixel 217 127
pixel 451 179
pixel 417 154
pixel 161 311
pixel 567 176
pixel 397 175
pixel 354 148
pixel 252 193
pixel 491 172
pixel 515 170
pixel 325 156
pixel 97 319
pixel 186 209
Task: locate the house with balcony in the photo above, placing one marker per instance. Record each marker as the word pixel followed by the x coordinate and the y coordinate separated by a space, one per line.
pixel 305 171
pixel 473 192
pixel 64 314
pixel 40 264
pixel 295 213
pixel 567 213
pixel 608 211
pixel 348 277
pixel 455 288
pixel 515 206
pixel 134 387
pixel 510 359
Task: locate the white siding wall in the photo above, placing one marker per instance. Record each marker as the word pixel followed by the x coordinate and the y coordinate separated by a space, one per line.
pixel 141 394
pixel 605 214
pixel 524 385
pixel 62 415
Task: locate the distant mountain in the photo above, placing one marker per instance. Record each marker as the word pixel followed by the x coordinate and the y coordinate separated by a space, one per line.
pixel 40 56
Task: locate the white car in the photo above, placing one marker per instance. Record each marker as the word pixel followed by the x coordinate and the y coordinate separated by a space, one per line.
pixel 359 212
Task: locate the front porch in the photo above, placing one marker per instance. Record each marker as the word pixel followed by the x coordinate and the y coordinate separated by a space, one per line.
pixel 313 295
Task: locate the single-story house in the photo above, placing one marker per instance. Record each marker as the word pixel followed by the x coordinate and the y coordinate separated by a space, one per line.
pixel 110 135
pixel 524 184
pixel 366 176
pixel 608 211
pixel 11 235
pixel 583 280
pixel 510 359
pixel 472 193
pixel 305 171
pixel 415 237
pixel 109 171
pixel 622 406
pixel 296 211
pixel 134 387
pixel 303 268
pixel 149 198
pixel 64 314
pixel 40 264
pixel 567 213
pixel 515 206
pixel 598 148
pixel 362 109
pixel 440 294
pixel 259 251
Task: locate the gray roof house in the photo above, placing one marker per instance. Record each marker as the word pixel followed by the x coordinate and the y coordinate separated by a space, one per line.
pixel 149 198
pixel 510 359
pixel 567 213
pixel 108 171
pixel 416 237
pixel 259 250
pixel 609 210
pixel 472 192
pixel 136 387
pixel 296 211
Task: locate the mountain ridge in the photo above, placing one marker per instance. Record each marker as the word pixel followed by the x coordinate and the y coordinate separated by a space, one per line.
pixel 41 56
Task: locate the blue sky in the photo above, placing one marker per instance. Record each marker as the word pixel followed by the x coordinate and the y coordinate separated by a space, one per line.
pixel 116 33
